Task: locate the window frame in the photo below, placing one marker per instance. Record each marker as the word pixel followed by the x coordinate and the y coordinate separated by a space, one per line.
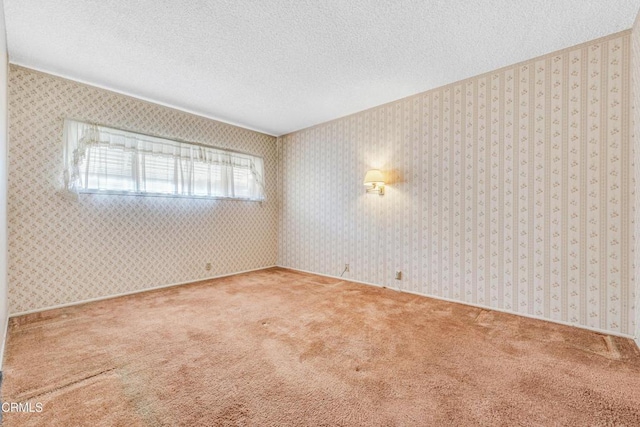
pixel 180 143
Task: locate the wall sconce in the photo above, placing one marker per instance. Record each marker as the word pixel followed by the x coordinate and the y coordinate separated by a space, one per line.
pixel 374 181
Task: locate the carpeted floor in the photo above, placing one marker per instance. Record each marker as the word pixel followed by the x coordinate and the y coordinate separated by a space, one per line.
pixel 278 347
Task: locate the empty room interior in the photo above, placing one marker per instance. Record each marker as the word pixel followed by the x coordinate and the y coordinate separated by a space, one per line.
pixel 319 213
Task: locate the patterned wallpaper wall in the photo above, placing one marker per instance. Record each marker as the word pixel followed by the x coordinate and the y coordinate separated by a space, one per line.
pixel 62 251
pixel 635 76
pixel 511 190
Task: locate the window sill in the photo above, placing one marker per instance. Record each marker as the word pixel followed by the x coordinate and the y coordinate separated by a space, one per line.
pixel 164 195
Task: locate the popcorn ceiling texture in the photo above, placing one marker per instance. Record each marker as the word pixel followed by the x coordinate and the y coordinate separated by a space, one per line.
pixel 511 190
pixel 279 66
pixel 63 251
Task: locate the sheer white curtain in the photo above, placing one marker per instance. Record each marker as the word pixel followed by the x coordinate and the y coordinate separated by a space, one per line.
pixel 108 160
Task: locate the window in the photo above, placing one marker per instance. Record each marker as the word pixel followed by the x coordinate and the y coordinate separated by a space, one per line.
pixel 99 159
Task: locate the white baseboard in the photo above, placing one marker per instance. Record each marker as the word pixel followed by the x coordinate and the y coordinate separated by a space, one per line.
pixel 484 307
pixel 70 304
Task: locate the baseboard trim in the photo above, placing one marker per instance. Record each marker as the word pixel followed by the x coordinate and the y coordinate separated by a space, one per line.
pixel 484 307
pixel 124 294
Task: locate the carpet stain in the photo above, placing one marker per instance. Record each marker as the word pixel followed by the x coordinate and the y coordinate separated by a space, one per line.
pixel 314 350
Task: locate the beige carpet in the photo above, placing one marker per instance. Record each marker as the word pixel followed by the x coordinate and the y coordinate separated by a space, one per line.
pixel 278 347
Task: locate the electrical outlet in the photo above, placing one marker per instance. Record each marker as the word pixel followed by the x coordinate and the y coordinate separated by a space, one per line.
pixel 208 266
pixel 398 275
pixel 346 268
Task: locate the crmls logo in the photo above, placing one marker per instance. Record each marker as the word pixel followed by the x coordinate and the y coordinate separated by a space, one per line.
pixel 21 407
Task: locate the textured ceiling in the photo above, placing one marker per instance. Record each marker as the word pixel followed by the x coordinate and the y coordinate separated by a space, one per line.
pixel 277 66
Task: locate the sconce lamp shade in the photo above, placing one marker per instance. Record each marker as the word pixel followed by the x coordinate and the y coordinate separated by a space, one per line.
pixel 373 177
pixel 374 181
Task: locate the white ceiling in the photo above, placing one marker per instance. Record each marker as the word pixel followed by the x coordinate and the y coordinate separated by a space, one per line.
pixel 277 66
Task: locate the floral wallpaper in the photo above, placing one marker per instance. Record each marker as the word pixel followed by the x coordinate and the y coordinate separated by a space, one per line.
pixel 635 76
pixel 511 190
pixel 63 250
